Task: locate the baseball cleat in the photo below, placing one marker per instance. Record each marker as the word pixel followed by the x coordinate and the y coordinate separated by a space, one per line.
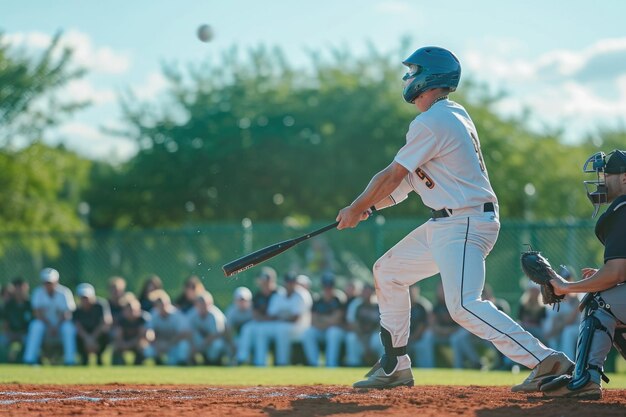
pixel 591 391
pixel 554 365
pixel 378 379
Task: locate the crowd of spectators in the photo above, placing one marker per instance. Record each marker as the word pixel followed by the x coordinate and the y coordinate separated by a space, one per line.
pixel 280 321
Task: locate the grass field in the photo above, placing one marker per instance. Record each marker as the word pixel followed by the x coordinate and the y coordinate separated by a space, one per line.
pixel 249 376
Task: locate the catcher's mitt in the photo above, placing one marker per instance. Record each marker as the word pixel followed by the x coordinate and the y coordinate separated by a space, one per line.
pixel 538 269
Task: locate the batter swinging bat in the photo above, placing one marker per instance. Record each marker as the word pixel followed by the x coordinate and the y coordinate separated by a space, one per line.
pixel 255 258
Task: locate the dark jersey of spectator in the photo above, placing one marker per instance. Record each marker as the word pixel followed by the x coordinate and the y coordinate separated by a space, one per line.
pixel 184 304
pixel 531 316
pixel 116 311
pixel 261 301
pixel 442 316
pixel 419 316
pixel 131 328
pixel 327 307
pixel 93 317
pixel 146 304
pixel 17 315
pixel 368 317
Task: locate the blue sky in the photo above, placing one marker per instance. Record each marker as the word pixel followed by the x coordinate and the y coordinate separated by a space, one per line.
pixel 564 61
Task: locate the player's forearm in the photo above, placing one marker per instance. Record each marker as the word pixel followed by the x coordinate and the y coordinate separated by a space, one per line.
pixel 380 187
pixel 612 273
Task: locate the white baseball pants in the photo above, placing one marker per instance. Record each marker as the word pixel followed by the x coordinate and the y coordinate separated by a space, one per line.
pixel 455 247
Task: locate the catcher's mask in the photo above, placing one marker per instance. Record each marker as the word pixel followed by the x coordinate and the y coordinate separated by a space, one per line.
pixel 602 164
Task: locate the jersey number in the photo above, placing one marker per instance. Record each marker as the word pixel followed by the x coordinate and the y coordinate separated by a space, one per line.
pixel 479 153
pixel 428 182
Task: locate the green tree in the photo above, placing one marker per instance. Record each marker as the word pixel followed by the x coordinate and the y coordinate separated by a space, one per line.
pixel 28 104
pixel 40 186
pixel 257 138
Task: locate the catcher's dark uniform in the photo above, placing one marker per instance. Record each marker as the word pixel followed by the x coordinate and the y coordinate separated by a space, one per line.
pixel 610 307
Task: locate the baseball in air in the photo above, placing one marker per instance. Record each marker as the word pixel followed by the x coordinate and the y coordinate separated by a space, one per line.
pixel 205 33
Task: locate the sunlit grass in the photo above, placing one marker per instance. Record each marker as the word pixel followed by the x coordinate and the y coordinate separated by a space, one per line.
pixel 248 376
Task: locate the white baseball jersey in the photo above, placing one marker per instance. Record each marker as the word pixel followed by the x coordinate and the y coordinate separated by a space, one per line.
pixel 170 326
pixel 298 303
pixel 52 306
pixel 444 160
pixel 213 323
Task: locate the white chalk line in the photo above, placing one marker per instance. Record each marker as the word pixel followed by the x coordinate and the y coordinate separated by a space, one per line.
pixel 8 397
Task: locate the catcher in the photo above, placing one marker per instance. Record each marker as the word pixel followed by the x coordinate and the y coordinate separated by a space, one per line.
pixel 604 317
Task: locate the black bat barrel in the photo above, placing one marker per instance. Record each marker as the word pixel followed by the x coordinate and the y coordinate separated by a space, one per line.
pixel 255 258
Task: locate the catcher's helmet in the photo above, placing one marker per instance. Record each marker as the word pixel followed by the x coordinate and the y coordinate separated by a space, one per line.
pixel 430 67
pixel 600 164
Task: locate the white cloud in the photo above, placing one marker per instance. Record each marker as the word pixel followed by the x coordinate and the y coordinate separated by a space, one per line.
pixel 83 90
pixel 578 90
pixel 101 59
pixel 154 84
pixel 94 143
pixel 564 63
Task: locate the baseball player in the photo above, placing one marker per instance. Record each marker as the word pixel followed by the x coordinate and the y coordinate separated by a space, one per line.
pixel 443 163
pixel 171 331
pixel 93 320
pixel 52 305
pixel 289 315
pixel 605 304
pixel 208 329
pixel 326 320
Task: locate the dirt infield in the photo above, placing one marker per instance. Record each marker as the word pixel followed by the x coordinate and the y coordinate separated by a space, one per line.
pixel 322 400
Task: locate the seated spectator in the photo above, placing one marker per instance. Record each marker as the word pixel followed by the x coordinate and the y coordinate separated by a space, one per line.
pixel 440 331
pixel 326 324
pixel 171 332
pixel 289 316
pixel 53 305
pixel 248 334
pixel 532 311
pixel 421 309
pixel 363 326
pixel 208 328
pixel 353 290
pixel 152 283
pixel 238 314
pixel 92 319
pixel 117 290
pixel 192 289
pixel 130 333
pixel 17 315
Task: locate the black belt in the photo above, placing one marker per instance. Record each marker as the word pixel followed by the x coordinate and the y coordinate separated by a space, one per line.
pixel 437 214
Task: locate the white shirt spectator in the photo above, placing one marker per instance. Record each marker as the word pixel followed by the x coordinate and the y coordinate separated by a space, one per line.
pixel 213 323
pixel 168 328
pixel 283 306
pixel 53 306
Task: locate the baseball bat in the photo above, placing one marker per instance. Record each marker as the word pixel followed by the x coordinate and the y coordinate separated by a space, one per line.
pixel 255 258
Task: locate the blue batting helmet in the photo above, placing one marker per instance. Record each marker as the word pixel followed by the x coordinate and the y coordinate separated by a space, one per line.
pixel 430 67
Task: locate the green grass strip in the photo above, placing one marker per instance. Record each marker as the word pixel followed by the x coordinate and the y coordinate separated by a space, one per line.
pixel 247 376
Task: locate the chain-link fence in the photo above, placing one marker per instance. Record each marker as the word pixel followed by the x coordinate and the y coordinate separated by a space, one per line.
pixel 175 254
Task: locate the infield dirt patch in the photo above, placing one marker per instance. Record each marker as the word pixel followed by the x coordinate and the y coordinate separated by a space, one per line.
pixel 321 400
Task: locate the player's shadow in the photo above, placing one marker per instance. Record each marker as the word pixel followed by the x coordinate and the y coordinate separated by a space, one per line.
pixel 321 406
pixel 555 407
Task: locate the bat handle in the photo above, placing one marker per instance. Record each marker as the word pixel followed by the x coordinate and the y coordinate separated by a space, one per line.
pixel 317 232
